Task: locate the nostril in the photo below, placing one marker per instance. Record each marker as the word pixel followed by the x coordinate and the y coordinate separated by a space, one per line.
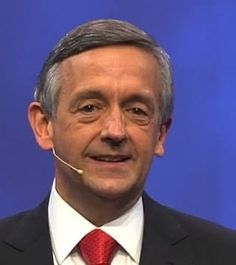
pixel 114 142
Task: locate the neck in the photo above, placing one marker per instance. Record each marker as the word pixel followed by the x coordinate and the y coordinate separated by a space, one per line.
pixel 98 209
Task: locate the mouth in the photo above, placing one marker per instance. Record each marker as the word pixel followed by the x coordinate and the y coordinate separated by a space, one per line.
pixel 111 158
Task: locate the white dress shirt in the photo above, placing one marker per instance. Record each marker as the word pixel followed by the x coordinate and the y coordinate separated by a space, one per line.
pixel 67 227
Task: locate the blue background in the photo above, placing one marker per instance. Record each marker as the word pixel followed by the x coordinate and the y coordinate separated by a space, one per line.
pixel 197 174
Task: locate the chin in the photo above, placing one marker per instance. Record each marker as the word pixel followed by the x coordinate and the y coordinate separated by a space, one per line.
pixel 116 192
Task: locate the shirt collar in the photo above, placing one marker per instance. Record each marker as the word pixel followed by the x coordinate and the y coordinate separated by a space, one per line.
pixel 127 230
pixel 68 227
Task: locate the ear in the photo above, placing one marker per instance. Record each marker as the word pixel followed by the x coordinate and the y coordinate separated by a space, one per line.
pixel 159 148
pixel 41 126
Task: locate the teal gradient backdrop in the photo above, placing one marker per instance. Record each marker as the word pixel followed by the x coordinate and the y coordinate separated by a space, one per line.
pixel 198 173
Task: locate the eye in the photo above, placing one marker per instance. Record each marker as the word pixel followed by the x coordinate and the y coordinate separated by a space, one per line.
pixel 90 108
pixel 139 114
pixel 138 111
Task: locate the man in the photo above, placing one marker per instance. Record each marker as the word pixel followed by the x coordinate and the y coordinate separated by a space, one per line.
pixel 103 105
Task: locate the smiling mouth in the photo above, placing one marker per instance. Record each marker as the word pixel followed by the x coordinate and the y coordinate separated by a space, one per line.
pixel 111 159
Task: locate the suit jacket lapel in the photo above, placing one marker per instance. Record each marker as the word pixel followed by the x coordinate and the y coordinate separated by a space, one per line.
pixel 29 242
pixel 164 240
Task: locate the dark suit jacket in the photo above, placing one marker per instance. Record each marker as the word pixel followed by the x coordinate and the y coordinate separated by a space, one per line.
pixel 170 238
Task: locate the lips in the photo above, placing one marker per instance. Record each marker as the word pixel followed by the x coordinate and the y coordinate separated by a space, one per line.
pixel 111 158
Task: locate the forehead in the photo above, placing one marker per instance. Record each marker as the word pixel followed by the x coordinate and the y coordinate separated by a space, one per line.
pixel 119 65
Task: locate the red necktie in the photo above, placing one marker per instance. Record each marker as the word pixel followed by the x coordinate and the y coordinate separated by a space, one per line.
pixel 97 248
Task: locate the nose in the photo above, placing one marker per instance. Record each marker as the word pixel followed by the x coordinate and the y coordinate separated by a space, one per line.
pixel 114 130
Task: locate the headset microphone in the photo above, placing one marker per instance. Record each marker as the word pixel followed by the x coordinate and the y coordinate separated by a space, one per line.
pixel 77 170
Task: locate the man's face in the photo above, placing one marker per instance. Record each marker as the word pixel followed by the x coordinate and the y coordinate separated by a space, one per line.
pixel 108 121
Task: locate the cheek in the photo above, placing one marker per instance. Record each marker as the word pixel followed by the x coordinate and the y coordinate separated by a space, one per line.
pixel 146 138
pixel 80 139
pixel 145 150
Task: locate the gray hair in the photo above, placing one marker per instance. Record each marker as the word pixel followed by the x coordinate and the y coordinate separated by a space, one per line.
pixel 100 33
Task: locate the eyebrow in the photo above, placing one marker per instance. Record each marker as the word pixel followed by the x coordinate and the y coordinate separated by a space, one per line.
pixel 87 94
pixel 147 100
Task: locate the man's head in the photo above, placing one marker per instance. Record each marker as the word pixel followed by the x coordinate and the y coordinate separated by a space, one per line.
pixel 104 101
pixel 100 33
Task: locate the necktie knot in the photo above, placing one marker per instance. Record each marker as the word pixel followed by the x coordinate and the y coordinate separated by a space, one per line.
pixel 97 248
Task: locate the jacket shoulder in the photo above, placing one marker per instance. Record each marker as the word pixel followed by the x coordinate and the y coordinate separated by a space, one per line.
pixel 193 225
pixel 30 222
pixel 209 243
pixel 201 228
pixel 8 223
